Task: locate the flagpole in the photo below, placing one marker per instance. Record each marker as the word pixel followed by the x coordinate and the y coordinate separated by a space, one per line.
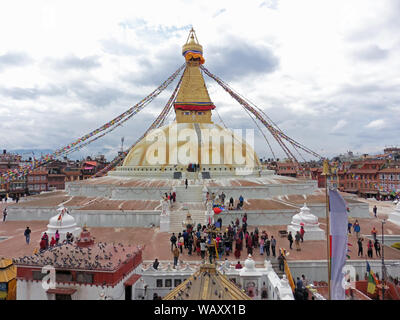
pixel 325 172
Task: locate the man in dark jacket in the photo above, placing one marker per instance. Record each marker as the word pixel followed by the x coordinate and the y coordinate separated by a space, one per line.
pixel 173 241
pixel 27 235
pixel 290 238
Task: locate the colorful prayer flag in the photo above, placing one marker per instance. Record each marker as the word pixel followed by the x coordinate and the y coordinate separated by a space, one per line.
pixel 372 281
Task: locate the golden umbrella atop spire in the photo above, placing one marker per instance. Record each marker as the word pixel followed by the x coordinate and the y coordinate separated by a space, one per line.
pixel 192 49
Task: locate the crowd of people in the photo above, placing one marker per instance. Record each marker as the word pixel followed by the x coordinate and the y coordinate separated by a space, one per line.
pixel 219 200
pixel 55 240
pixel 371 244
pixel 214 241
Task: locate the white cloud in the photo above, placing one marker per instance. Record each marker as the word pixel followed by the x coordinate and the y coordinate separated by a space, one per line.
pixel 376 124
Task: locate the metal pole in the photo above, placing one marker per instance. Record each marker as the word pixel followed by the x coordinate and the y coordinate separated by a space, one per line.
pixel 383 263
pixel 328 251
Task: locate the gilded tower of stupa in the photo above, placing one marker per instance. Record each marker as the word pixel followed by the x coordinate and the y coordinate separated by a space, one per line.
pixel 193 103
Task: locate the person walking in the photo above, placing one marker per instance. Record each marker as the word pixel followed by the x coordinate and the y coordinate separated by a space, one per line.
pixel 27 235
pixel 375 210
pixel 374 232
pixel 173 241
pixel 360 247
pixel 349 225
pixel 4 214
pixel 290 238
pixel 370 247
pixel 176 256
pixel 181 242
pixel 281 260
pixel 377 246
pixel 267 246
pixel 241 200
pixel 261 243
pixel 186 183
pixel 273 245
pixel 357 229
pixel 297 238
pixel 302 232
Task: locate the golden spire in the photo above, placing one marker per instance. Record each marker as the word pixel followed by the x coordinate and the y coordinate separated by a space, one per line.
pixel 193 103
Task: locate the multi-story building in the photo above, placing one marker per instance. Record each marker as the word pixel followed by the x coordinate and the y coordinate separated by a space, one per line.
pixel 8 161
pixel 37 181
pixel 389 181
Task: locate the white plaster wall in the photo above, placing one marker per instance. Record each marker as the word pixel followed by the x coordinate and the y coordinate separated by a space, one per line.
pixel 317 270
pixel 114 218
pixel 33 290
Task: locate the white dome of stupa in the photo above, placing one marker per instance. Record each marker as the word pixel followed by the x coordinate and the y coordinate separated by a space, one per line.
pixel 305 218
pixel 64 223
pixel 62 219
pixel 309 222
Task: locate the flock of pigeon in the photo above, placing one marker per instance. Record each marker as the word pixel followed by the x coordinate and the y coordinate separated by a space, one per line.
pixel 99 256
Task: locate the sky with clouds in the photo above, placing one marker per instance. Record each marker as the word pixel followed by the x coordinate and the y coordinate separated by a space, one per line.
pixel 326 72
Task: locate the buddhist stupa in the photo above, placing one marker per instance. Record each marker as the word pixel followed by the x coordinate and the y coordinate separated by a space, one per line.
pixel 192 137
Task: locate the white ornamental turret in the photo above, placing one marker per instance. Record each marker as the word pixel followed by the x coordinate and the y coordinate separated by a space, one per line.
pixel 310 224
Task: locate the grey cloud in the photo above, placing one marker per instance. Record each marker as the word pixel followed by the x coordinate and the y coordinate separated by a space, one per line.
pixel 95 94
pixel 14 59
pixel 372 53
pixel 31 93
pixel 73 62
pixel 154 70
pixel 240 59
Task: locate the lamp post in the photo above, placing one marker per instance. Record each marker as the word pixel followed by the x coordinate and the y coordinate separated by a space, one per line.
pixel 383 263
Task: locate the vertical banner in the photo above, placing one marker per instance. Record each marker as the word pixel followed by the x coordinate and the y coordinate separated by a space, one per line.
pixel 338 243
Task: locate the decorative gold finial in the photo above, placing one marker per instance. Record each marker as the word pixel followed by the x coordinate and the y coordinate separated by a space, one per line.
pixel 325 169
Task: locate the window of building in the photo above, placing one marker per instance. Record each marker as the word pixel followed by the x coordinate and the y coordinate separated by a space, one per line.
pixel 63 276
pixel 43 178
pixel 38 275
pixel 168 282
pixel 159 283
pixel 177 282
pixel 84 277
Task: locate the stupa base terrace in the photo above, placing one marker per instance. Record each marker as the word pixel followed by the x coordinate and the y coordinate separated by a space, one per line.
pixel 112 201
